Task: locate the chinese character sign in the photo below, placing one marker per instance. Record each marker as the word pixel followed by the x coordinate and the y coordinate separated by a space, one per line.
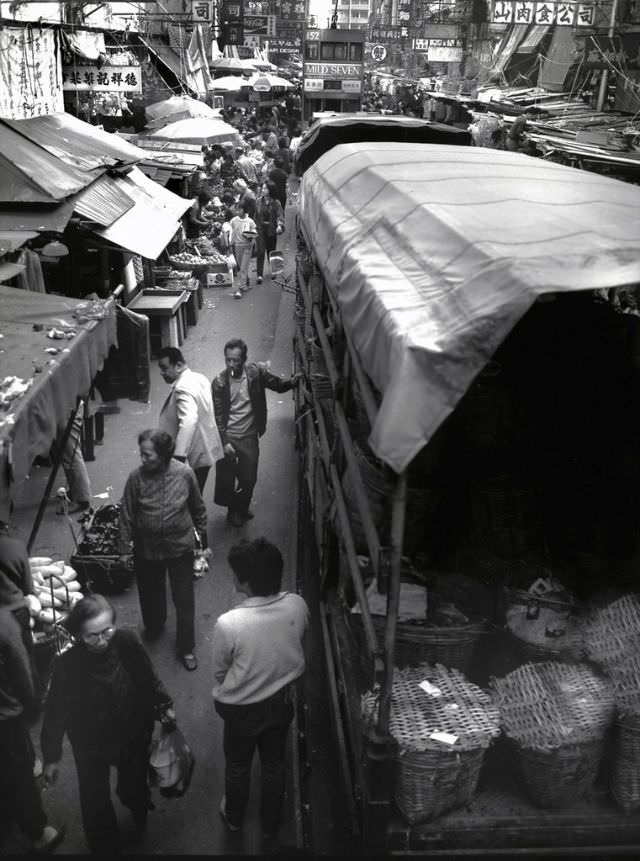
pixel 30 74
pixel 202 11
pixel 123 79
pixel 567 14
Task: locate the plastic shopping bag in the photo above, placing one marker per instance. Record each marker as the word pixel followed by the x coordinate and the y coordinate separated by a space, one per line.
pixel 171 763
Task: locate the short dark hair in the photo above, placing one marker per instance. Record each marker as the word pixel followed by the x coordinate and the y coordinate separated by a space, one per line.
pixel 162 442
pixel 259 564
pixel 87 608
pixel 172 353
pixel 237 344
pixel 272 191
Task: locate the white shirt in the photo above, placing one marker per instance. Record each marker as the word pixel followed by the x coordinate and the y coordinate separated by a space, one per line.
pixel 257 648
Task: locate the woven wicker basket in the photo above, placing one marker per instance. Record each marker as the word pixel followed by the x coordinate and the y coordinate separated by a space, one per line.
pixel 558 778
pixel 418 644
pixel 442 734
pixel 625 768
pixel 612 633
pixel 561 617
pixel 557 716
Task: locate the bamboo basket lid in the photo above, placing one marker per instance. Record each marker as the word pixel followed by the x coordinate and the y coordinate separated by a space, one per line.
pixel 612 633
pixel 435 708
pixel 548 705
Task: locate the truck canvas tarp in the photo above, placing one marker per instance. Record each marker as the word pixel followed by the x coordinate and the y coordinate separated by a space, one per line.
pixel 329 131
pixel 435 253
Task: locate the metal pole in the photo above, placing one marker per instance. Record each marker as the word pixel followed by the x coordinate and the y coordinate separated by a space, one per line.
pixel 604 80
pixel 393 600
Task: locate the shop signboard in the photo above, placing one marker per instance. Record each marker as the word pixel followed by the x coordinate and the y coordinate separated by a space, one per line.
pixel 333 70
pixel 444 50
pixel 202 11
pixel 388 35
pixel 108 79
pixel 378 53
pixel 350 86
pixel 281 46
pixel 256 25
pixel 404 13
pixel 565 14
pixel 231 17
pixel 620 52
pixel 30 73
pixel 313 85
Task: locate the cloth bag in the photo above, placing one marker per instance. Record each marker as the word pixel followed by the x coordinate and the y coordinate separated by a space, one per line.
pixel 224 491
pixel 171 763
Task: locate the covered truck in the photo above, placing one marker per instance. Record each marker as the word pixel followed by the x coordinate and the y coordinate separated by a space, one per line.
pixel 468 326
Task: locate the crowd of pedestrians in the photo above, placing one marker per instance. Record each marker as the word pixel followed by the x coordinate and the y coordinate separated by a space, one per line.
pixel 105 694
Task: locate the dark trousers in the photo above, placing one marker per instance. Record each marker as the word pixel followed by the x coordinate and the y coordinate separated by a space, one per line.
pixel 263 725
pixel 19 792
pixel 201 473
pixel 265 245
pixel 240 473
pixel 98 816
pixel 152 593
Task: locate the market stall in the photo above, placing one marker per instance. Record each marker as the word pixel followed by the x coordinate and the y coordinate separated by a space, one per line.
pixel 467 326
pixel 52 348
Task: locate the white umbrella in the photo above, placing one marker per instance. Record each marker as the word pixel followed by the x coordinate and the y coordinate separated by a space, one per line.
pixel 229 84
pixel 185 106
pixel 264 81
pixel 202 130
pixel 233 64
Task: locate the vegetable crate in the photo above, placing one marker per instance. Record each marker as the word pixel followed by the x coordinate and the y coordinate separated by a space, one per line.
pixel 218 275
pixel 103 574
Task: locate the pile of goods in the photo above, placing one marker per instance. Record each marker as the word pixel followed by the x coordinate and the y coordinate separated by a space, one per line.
pixel 186 260
pixel 612 640
pixel 56 589
pixel 556 715
pixel 442 725
pixel 544 620
pixel 97 559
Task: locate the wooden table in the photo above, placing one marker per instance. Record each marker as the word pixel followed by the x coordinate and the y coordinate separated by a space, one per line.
pixel 165 305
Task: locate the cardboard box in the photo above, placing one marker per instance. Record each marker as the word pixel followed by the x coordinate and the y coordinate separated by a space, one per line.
pixel 219 279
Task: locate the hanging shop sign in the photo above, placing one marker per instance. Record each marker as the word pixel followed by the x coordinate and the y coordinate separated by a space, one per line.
pixel 602 52
pixel 202 11
pixel 541 12
pixel 282 46
pixel 291 10
pixel 389 34
pixel 256 25
pixel 122 79
pixel 404 12
pixel 30 73
pixel 378 53
pixel 232 20
pixel 442 50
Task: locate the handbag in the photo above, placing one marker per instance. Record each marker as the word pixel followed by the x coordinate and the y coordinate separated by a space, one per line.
pixel 225 482
pixel 232 263
pixel 171 763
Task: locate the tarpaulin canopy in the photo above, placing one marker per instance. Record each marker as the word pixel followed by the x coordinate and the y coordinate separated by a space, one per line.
pixel 202 130
pixel 150 223
pixel 435 252
pixel 178 107
pixel 348 128
pixel 29 423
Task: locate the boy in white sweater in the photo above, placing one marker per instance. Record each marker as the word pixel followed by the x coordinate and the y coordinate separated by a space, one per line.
pixel 257 655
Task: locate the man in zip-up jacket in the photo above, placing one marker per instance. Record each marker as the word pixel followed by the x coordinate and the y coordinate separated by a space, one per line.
pixel 240 407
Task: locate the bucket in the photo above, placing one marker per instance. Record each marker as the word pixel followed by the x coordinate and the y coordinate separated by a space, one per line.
pixel 276 262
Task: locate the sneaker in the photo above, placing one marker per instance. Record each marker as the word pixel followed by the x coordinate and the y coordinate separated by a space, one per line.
pixel 189 662
pixel 223 815
pixel 237 294
pixel 259 279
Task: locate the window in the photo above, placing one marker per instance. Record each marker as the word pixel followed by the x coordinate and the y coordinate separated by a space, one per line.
pixel 333 51
pixel 311 51
pixel 355 52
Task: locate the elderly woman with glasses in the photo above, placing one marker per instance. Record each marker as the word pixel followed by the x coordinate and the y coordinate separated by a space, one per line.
pixel 105 695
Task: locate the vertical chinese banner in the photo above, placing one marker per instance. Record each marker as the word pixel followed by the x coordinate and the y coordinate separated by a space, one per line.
pixel 232 19
pixel 30 73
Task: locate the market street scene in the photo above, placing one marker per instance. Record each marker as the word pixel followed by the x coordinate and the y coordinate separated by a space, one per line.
pixel 319 463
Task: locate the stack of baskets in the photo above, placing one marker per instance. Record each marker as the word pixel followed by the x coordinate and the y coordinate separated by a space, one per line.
pixel 557 716
pixel 442 724
pixel 612 639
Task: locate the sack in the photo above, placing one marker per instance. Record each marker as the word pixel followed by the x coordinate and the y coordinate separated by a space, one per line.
pixel 171 764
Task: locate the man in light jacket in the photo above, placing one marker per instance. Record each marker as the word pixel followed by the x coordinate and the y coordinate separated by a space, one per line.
pixel 187 414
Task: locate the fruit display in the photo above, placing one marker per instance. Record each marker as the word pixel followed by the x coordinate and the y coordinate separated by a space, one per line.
pixel 185 258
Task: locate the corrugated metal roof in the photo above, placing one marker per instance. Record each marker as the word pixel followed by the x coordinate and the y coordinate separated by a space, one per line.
pixel 30 174
pixel 38 218
pixel 76 143
pixel 104 201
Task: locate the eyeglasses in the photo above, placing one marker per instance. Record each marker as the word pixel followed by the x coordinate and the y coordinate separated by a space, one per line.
pixel 99 635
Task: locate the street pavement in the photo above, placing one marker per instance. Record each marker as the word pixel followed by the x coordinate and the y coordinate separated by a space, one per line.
pixel 191 825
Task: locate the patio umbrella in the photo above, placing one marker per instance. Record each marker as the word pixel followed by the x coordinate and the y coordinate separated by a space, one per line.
pixel 202 130
pixel 229 84
pixel 264 81
pixel 232 64
pixel 184 106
